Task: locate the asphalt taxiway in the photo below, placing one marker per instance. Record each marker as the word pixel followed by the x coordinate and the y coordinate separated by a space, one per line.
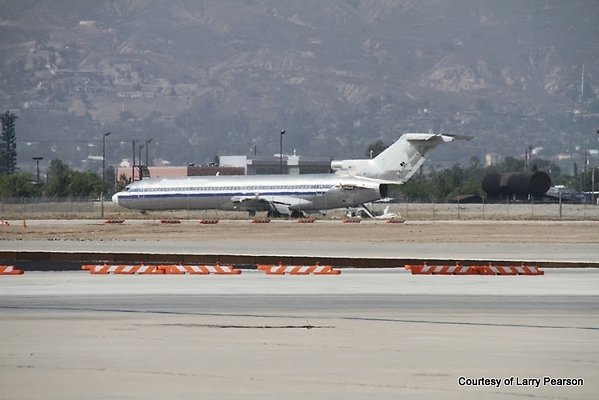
pixel 371 254
pixel 367 333
pixel 362 334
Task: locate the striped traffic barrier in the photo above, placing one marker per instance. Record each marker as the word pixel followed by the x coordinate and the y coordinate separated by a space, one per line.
pixel 458 269
pixel 496 270
pixel 208 221
pixel 10 270
pixel 408 267
pixel 123 269
pixel 199 269
pixel 395 220
pixel 170 221
pixel 529 270
pixel 509 270
pixel 308 220
pixel 298 269
pixel 442 269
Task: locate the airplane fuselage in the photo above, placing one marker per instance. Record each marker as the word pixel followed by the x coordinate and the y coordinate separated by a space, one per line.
pixel 307 193
pixel 354 183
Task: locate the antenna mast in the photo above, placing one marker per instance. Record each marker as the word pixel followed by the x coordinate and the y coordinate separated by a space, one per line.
pixel 584 157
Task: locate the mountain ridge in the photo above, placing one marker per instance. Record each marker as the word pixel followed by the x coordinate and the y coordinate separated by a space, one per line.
pixel 208 78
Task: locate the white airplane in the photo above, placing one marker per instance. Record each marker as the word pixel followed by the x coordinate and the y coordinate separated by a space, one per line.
pixel 354 183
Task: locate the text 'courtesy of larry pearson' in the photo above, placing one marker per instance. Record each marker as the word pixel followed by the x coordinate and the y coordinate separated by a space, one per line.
pixel 520 381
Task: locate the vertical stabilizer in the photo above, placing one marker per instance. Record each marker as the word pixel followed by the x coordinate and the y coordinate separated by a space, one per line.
pixel 399 161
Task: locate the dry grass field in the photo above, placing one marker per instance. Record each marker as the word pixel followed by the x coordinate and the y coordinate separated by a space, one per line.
pixel 569 232
pixel 476 223
pixel 409 211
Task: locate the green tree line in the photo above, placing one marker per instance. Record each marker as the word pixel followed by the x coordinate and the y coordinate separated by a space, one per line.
pixel 447 184
pixel 8 144
pixel 62 181
pixel 439 186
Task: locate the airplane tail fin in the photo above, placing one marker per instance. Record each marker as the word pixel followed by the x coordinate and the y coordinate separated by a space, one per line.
pixel 399 161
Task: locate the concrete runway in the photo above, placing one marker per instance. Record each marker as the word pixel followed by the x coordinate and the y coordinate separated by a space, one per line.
pixel 362 334
pixel 533 252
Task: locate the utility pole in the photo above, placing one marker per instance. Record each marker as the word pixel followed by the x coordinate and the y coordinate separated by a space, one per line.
pixel 593 197
pixel 147 147
pixel 141 146
pixel 281 152
pixel 37 162
pixel 582 118
pixel 133 166
pixel 103 173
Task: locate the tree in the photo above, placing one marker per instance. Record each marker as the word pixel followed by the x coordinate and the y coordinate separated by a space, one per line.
pixel 8 146
pixel 122 182
pixel 59 175
pixel 17 185
pixel 110 180
pixel 63 181
pixel 416 189
pixel 82 184
pixel 511 164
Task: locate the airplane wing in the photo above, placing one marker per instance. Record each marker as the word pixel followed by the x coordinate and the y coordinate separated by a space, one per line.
pixel 360 182
pixel 279 204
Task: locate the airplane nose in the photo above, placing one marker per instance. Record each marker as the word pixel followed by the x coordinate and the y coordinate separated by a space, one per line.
pixel 115 198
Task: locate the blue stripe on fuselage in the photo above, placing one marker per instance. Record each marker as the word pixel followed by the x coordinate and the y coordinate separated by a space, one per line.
pixel 136 195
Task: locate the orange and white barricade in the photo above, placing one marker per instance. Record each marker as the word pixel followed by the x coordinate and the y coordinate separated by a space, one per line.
pixel 459 269
pixel 528 270
pixel 209 221
pixel 298 269
pixel 123 269
pixel 509 270
pixel 200 269
pixel 496 270
pixel 441 269
pixel 10 270
pixel 261 220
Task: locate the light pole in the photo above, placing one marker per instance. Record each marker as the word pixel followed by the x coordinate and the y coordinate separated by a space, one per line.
pixel 103 173
pixel 593 180
pixel 133 165
pixel 37 162
pixel 141 146
pixel 593 185
pixel 147 147
pixel 281 152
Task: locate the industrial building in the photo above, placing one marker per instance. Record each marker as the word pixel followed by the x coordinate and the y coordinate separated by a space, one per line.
pixel 236 165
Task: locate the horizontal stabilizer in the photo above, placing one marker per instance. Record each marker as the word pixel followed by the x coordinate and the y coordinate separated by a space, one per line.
pixel 398 162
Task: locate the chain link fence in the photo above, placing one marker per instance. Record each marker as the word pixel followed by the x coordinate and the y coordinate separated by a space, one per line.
pixel 46 207
pixel 90 208
pixel 496 211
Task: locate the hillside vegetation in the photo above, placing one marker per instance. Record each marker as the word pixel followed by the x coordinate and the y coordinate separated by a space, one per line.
pixel 219 77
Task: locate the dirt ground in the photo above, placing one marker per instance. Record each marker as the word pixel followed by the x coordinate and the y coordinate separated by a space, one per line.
pixel 567 232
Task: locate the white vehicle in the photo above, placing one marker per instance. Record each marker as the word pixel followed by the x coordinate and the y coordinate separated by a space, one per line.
pixel 354 183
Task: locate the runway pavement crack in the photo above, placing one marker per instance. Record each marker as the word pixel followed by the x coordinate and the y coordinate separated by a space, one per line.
pixel 225 326
pixel 491 324
pixel 372 319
